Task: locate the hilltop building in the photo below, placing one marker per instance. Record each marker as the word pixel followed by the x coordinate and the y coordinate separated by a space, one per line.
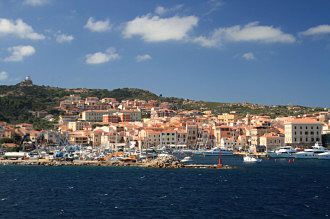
pixel 26 83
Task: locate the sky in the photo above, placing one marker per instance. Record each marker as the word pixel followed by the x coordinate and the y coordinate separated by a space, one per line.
pixel 273 52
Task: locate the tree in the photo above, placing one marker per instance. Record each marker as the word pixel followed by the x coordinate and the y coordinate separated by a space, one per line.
pixel 6 140
pixel 17 138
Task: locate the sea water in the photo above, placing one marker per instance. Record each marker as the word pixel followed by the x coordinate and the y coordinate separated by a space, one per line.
pixel 257 190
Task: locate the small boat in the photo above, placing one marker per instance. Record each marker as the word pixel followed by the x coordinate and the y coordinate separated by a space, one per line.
pixel 187 160
pixel 251 158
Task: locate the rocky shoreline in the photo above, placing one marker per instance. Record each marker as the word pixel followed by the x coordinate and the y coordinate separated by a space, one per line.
pixel 161 162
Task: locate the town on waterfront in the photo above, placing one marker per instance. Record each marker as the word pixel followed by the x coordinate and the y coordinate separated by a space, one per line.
pixel 135 130
pixel 164 109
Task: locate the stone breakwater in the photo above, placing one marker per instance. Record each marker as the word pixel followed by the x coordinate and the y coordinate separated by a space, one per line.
pixel 160 162
pixel 165 162
pixel 67 163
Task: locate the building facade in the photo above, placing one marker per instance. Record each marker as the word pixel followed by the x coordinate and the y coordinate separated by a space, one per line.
pixel 303 132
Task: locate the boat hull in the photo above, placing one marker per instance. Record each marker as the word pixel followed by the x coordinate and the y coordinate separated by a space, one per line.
pixel 223 153
pixel 306 156
pixel 281 155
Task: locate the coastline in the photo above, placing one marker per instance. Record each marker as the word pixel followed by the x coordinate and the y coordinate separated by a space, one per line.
pixel 103 163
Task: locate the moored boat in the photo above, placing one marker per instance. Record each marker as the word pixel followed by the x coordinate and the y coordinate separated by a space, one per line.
pixel 283 152
pixel 187 160
pixel 312 153
pixel 251 158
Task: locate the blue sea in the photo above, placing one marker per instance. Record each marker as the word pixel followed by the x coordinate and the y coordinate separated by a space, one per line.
pixel 269 189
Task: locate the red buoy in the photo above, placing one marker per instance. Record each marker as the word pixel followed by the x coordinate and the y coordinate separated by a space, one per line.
pixel 292 160
pixel 275 160
pixel 289 161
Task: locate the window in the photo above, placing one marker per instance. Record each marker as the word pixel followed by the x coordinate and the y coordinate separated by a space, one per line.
pixel 312 127
pixel 306 127
pixel 317 127
pixel 306 133
pixel 300 139
pixel 300 133
pixel 295 133
pixel 312 139
pixel 300 127
pixel 312 133
pixel 306 139
pixel 317 132
pixel 295 127
pixel 295 139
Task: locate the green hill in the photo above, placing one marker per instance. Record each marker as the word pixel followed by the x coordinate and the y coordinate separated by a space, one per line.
pixel 16 101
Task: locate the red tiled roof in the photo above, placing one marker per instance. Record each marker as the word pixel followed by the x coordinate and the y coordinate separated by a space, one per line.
pixel 303 121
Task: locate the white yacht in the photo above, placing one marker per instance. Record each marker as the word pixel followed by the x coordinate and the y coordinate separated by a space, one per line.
pixel 324 156
pixel 311 153
pixel 283 152
pixel 251 158
pixel 216 152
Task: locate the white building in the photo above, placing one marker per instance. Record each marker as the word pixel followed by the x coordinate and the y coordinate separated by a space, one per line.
pixel 303 132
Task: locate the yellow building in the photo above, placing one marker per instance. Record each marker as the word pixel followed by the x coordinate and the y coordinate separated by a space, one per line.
pixel 227 118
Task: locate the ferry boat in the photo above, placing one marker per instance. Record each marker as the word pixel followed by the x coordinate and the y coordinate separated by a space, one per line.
pixel 283 152
pixel 216 152
pixel 251 158
pixel 312 153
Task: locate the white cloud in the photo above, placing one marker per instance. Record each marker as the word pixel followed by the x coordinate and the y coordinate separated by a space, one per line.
pixel 19 52
pixel 62 38
pixel 318 30
pixel 3 75
pixel 160 10
pixel 155 29
pixel 248 56
pixel 142 58
pixel 214 6
pixel 35 2
pixel 18 28
pixel 100 57
pixel 252 32
pixel 98 26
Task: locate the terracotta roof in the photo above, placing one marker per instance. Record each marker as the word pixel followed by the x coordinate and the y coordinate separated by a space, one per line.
pixel 303 121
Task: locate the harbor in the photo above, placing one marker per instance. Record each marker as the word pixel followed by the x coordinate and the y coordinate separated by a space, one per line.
pixel 168 161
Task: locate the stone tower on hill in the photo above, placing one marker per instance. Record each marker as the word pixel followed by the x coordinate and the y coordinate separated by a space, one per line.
pixel 27 82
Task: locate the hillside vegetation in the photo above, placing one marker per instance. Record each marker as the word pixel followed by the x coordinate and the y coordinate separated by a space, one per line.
pixel 16 101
